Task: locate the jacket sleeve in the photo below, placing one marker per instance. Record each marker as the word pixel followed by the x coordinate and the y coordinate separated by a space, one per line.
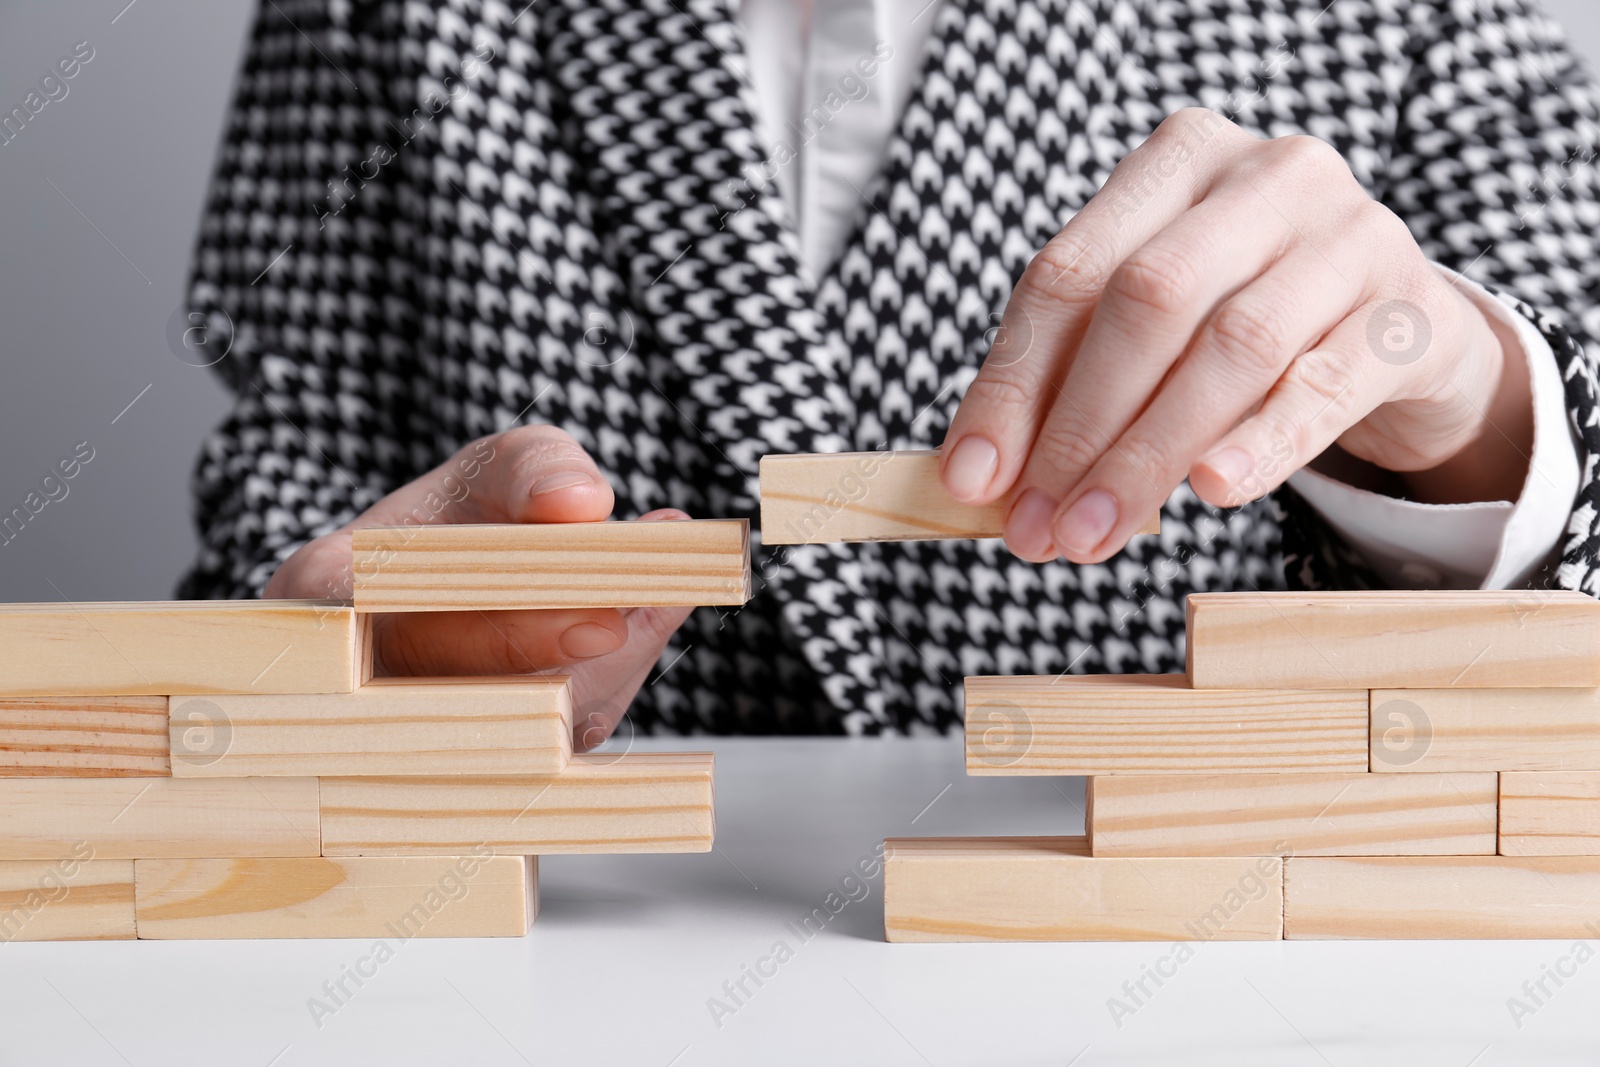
pixel 302 294
pixel 1493 168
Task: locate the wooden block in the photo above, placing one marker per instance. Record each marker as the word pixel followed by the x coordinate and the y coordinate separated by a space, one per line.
pixel 158 818
pixel 1427 897
pixel 400 897
pixel 1393 639
pixel 83 737
pixel 555 565
pixel 1431 730
pixel 1344 814
pixel 179 647
pixel 390 726
pixel 74 898
pixel 1051 889
pixel 1550 813
pixel 871 496
pixel 1146 724
pixel 641 802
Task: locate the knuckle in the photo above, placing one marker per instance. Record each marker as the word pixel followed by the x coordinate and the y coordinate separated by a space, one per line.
pixel 1323 382
pixel 1184 121
pixel 1066 270
pixel 1158 280
pixel 999 390
pixel 1253 335
pixel 1379 224
pixel 1146 455
pixel 1066 447
pixel 1303 153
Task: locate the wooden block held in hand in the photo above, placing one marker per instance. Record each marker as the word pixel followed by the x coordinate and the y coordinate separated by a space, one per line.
pixel 1550 813
pixel 390 726
pixel 602 803
pixel 1346 814
pixel 83 737
pixel 1426 897
pixel 1051 889
pixel 178 647
pixel 398 897
pixel 1154 723
pixel 1393 639
pixel 1431 730
pixel 687 563
pixel 72 898
pixel 151 818
pixel 823 498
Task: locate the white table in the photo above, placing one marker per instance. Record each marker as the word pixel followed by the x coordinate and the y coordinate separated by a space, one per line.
pixel 629 951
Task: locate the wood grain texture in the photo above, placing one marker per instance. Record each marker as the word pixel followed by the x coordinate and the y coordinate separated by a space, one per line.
pixel 1346 814
pixel 640 802
pixel 814 498
pixel 1432 730
pixel 1550 813
pixel 555 565
pixel 157 818
pixel 1393 639
pixel 1427 897
pixel 1051 889
pixel 390 726
pixel 388 897
pixel 83 737
pixel 180 647
pixel 73 898
pixel 1147 724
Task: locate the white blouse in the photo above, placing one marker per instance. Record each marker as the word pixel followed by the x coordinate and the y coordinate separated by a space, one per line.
pixel 801 51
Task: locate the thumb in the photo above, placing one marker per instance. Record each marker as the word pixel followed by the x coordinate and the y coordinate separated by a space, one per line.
pixel 527 474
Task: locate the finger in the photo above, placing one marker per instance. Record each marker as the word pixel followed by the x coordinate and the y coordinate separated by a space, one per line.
pixel 528 474
pixel 494 642
pixel 505 642
pixel 1050 307
pixel 1153 305
pixel 1320 396
pixel 607 687
pixel 1236 357
pixel 604 688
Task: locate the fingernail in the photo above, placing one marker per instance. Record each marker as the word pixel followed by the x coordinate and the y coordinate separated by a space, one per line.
pixel 1232 465
pixel 1086 523
pixel 1028 528
pixel 971 467
pixel 559 480
pixel 587 640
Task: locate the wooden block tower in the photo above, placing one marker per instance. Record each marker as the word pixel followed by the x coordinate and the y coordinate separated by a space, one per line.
pixel 233 770
pixel 1332 765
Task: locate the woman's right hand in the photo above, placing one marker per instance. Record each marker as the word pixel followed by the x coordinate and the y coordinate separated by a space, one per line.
pixel 528 474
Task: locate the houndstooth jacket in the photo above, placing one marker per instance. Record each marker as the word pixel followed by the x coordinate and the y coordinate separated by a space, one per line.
pixel 556 221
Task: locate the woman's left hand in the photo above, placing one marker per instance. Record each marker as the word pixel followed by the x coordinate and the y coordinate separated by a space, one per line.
pixel 1225 309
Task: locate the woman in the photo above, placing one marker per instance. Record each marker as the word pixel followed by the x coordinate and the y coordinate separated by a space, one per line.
pixel 484 264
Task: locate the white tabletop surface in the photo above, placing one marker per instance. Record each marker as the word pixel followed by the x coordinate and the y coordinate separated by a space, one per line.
pixel 628 952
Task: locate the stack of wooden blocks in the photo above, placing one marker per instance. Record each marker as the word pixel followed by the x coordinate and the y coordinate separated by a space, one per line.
pixel 232 770
pixel 1340 765
pixel 1334 765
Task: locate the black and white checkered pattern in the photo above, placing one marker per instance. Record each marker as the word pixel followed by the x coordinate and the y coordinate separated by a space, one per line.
pixel 592 176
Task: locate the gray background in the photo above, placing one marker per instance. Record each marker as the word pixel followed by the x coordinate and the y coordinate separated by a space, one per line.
pixel 99 200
